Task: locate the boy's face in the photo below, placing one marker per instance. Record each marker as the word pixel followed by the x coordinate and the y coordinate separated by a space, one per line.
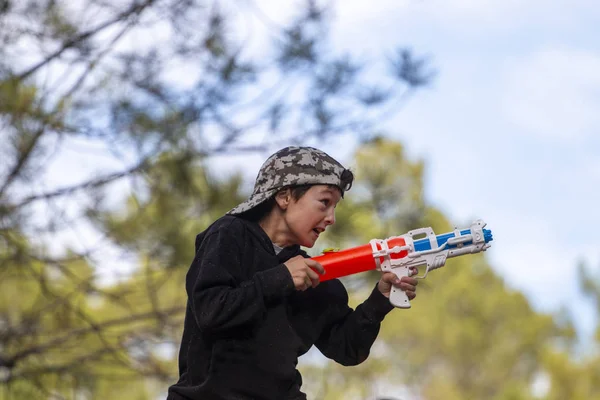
pixel 309 216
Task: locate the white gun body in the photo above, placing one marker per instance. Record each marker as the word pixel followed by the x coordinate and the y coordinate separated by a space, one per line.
pixel 431 252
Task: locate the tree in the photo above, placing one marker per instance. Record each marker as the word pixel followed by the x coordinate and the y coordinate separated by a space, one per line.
pixel 142 92
pixel 576 375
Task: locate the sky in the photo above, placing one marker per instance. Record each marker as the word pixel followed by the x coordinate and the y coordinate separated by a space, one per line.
pixel 509 129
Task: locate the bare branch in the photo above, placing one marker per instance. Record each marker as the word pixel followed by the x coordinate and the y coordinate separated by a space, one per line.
pixel 142 165
pixel 92 63
pixel 58 368
pixel 22 160
pixel 165 313
pixel 135 9
pixel 94 183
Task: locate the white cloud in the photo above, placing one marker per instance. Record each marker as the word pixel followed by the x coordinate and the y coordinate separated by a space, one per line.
pixel 554 94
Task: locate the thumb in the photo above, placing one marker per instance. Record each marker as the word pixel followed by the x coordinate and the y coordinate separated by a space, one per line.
pixel 389 278
pixel 385 282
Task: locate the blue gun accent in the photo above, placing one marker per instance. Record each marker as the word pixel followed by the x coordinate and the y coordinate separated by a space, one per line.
pixel 424 244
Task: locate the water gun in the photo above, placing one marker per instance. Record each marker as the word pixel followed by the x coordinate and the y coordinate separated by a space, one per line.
pixel 399 254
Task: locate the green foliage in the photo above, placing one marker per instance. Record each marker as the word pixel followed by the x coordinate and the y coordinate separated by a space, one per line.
pixel 60 325
pixel 182 200
pixel 16 99
pixel 469 330
pixel 570 379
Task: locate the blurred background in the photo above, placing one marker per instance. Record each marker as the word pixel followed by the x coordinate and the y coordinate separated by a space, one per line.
pixel 128 126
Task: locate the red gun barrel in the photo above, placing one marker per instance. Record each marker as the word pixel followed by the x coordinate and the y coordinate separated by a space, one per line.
pixel 354 260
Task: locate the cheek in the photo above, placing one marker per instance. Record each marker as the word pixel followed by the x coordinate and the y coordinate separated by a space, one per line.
pixel 297 220
pixel 305 220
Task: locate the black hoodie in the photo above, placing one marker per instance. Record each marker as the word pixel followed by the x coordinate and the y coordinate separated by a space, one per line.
pixel 246 325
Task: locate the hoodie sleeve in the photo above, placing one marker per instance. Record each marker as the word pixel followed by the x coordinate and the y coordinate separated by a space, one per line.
pixel 219 297
pixel 349 334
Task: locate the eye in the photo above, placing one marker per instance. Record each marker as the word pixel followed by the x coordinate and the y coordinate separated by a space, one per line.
pixel 325 202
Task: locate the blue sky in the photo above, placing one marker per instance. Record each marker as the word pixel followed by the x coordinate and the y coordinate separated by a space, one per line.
pixel 509 130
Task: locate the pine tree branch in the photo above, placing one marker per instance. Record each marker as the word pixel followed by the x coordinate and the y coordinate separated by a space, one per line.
pixel 22 160
pixel 39 349
pixel 135 9
pixel 94 183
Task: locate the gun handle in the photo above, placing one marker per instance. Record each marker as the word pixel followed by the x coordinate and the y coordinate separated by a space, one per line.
pixel 398 297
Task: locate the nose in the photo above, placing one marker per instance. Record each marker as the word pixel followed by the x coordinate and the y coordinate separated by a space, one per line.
pixel 330 217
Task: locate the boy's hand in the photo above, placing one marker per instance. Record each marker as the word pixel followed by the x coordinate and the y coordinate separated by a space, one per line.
pixel 408 284
pixel 303 272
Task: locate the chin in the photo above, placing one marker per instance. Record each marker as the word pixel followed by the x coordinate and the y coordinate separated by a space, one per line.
pixel 308 243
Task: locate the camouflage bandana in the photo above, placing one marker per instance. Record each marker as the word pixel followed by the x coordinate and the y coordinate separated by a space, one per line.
pixel 292 166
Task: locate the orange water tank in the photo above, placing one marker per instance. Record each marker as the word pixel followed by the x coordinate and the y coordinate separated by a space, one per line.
pixel 355 259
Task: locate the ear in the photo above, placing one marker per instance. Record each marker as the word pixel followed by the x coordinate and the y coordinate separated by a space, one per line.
pixel 283 198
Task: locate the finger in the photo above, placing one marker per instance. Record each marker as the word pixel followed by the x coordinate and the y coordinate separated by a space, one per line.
pixel 300 285
pixel 413 271
pixel 311 278
pixel 315 265
pixel 307 283
pixel 410 295
pixel 410 281
pixel 384 285
pixel 315 282
pixel 303 284
pixel 406 287
pixel 389 277
pixel 312 274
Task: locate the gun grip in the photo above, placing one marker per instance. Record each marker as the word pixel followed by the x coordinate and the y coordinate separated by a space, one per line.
pixel 398 297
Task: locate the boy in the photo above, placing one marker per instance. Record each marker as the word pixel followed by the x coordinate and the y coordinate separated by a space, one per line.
pixel 254 300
